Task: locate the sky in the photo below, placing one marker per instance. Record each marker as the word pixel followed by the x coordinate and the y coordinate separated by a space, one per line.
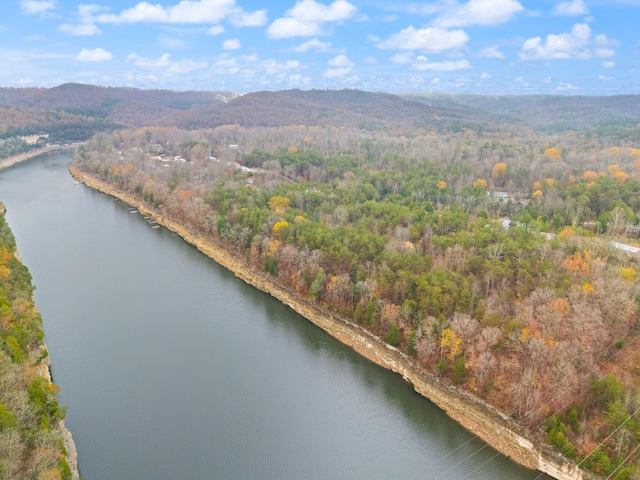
pixel 572 47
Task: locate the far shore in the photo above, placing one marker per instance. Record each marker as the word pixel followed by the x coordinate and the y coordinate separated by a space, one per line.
pixel 21 157
pixel 480 418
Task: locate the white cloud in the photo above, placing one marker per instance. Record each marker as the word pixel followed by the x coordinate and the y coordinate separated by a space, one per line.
pixel 231 44
pixel 604 52
pixel 185 12
pixel 165 63
pixel 521 82
pixel 604 77
pixel 429 40
pixel 340 61
pixel 82 29
pixel 485 76
pixel 307 17
pixel 572 8
pixel 37 7
pixel 563 86
pixel 608 64
pixel 276 67
pixel 215 30
pixel 240 18
pixel 313 44
pixel 572 45
pixel 479 12
pixel 491 52
pixel 95 55
pixel 370 60
pixel 422 64
pixel 336 72
pixel 343 67
pixel 298 80
pixel 403 58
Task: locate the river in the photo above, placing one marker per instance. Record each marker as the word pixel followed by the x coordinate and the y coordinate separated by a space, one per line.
pixel 174 369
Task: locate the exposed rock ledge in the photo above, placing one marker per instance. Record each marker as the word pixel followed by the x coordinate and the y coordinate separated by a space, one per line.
pixel 44 370
pixel 477 416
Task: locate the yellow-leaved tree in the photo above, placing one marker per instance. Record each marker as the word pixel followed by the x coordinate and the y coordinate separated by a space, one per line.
pixel 499 173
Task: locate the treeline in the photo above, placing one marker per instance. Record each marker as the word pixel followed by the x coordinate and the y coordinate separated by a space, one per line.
pixel 31 443
pixel 483 258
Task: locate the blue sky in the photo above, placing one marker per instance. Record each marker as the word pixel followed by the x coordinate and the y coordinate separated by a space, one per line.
pixel 587 47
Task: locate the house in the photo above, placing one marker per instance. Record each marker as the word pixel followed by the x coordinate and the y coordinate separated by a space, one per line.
pixel 233 147
pixel 634 251
pixel 498 194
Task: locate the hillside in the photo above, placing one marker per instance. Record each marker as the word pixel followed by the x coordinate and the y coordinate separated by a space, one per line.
pixel 544 112
pixel 75 111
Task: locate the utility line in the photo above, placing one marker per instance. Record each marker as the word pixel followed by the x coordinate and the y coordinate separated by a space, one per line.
pixel 539 424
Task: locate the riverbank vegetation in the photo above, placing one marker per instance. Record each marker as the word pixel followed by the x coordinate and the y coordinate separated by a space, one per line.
pixel 505 262
pixel 31 438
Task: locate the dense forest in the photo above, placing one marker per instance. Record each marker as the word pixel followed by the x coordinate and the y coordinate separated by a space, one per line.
pixel 31 439
pixel 73 112
pixel 493 240
pixel 503 263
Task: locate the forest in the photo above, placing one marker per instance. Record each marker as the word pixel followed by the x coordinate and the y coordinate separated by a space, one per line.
pixel 492 240
pixel 31 440
pixel 506 264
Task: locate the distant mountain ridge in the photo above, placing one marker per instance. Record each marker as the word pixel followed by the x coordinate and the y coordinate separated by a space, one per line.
pixel 22 110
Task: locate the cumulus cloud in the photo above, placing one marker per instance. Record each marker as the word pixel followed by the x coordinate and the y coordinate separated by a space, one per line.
pixel 313 44
pixel 342 67
pixel 564 86
pixel 240 18
pixel 231 44
pixel 572 8
pixel 95 55
pixel 604 77
pixel 428 40
pixel 608 64
pixel 276 67
pixel 491 52
pixel 165 63
pixel 479 12
pixel 422 63
pixel 340 61
pixel 215 30
pixel 307 18
pixel 574 45
pixel 185 12
pixel 82 29
pixel 37 7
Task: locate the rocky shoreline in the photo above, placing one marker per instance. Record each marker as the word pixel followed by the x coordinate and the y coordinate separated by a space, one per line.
pixel 44 368
pixel 494 427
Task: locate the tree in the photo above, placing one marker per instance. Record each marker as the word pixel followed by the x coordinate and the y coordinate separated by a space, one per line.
pixel 499 173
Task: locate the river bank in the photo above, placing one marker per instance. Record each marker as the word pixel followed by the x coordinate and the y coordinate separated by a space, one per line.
pixel 40 364
pixel 478 417
pixel 21 157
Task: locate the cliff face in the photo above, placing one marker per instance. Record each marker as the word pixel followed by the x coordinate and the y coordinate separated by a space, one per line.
pixel 475 415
